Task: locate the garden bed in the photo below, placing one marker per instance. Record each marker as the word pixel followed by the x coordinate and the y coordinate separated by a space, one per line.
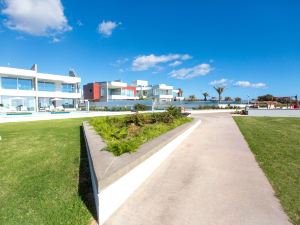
pixel 126 133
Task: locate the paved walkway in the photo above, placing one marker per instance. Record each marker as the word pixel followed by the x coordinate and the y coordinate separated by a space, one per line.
pixel 211 179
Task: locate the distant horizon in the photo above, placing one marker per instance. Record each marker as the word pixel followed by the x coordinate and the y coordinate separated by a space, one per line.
pixel 252 48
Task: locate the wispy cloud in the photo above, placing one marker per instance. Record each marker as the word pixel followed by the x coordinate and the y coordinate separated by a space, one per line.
pixel 175 63
pixel 145 62
pixel 38 18
pixel 106 28
pixel 188 73
pixel 222 82
pixel 249 84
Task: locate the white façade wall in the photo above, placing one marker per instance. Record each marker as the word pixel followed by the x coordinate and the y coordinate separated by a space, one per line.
pixel 274 112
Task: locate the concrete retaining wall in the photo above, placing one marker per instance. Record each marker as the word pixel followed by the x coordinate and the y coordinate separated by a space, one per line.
pixel 274 112
pixel 114 179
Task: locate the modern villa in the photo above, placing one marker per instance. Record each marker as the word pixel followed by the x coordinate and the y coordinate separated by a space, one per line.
pixel 29 90
pixel 109 91
pixel 118 90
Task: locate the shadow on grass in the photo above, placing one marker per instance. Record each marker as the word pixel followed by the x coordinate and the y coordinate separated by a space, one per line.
pixel 85 190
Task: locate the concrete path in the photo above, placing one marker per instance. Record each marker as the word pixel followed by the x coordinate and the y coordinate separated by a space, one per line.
pixel 211 179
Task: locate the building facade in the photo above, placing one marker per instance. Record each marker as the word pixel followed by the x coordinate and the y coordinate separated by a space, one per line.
pixel 109 91
pixel 29 90
pixel 118 90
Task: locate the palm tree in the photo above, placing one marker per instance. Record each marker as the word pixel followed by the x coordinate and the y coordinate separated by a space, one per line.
pixel 205 94
pixel 220 90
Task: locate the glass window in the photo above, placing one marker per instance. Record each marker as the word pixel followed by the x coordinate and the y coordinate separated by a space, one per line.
pixel 46 86
pixel 24 84
pixel 18 103
pixel 9 83
pixel 68 88
pixel 45 102
pixel 102 90
pixel 68 103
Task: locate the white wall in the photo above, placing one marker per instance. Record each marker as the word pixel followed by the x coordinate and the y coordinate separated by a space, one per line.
pixel 274 112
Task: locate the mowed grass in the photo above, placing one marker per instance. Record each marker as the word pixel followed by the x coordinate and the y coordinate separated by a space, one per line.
pixel 275 143
pixel 43 173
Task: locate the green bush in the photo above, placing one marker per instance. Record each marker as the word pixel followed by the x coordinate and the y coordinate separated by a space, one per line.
pixel 137 119
pixel 174 111
pixel 140 107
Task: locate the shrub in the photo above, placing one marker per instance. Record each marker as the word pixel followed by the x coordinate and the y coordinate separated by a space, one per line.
pixel 174 111
pixel 164 117
pixel 137 119
pixel 133 130
pixel 140 107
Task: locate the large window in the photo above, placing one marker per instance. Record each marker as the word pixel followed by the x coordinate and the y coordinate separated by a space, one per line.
pixel 16 83
pixel 102 92
pixel 9 83
pixel 127 92
pixel 68 88
pixel 24 84
pixel 68 103
pixel 46 86
pixel 162 92
pixel 18 103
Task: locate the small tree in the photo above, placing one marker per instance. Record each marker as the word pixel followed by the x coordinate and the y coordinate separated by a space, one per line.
pixel 237 99
pixel 192 97
pixel 219 90
pixel 205 94
pixel 228 99
pixel 267 97
pixel 180 92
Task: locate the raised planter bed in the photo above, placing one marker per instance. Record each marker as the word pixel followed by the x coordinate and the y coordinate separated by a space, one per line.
pixel 114 178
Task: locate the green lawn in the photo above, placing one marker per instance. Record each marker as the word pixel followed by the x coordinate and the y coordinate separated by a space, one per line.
pixel 275 143
pixel 43 174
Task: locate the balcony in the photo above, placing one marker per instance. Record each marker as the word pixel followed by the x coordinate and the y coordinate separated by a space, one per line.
pixel 122 97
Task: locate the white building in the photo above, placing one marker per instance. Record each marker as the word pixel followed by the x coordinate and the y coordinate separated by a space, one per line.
pixel 159 92
pixel 29 90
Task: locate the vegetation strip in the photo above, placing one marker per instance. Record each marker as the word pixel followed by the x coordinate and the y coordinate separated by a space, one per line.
pixel 126 133
pixel 275 143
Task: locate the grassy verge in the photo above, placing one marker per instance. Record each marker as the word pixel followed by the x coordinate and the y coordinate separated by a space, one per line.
pixel 275 143
pixel 126 133
pixel 43 174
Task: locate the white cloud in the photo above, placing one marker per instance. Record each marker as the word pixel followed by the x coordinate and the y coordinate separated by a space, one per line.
pixel 145 62
pixel 188 73
pixel 106 27
pixel 221 82
pixel 119 62
pixel 36 17
pixel 249 84
pixel 175 63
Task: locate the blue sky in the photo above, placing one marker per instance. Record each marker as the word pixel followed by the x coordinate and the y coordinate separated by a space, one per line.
pixel 252 47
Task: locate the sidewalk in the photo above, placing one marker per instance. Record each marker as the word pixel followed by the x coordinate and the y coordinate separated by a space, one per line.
pixel 211 179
